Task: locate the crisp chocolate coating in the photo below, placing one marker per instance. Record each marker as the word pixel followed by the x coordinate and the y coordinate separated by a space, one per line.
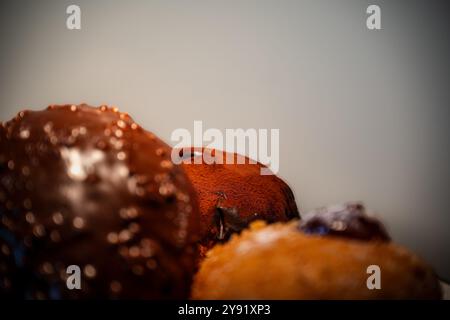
pixel 88 187
pixel 231 195
pixel 348 220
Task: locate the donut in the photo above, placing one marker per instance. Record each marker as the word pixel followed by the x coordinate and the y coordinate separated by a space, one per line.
pixel 87 195
pixel 331 254
pixel 233 195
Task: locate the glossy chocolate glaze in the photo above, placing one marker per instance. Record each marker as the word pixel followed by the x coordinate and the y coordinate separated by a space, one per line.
pixel 228 221
pixel 89 187
pixel 348 220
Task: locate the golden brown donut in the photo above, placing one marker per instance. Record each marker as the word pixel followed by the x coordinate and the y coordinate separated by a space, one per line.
pixel 232 195
pixel 291 261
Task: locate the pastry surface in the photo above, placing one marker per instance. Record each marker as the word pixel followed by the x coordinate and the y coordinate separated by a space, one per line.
pixel 233 195
pixel 280 262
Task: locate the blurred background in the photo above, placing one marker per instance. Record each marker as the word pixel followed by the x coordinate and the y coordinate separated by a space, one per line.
pixel 363 114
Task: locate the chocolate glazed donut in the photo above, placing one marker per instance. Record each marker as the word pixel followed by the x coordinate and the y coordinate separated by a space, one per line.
pixel 89 187
pixel 233 195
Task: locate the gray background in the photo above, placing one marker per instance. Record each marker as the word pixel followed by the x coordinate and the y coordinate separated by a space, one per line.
pixel 363 115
